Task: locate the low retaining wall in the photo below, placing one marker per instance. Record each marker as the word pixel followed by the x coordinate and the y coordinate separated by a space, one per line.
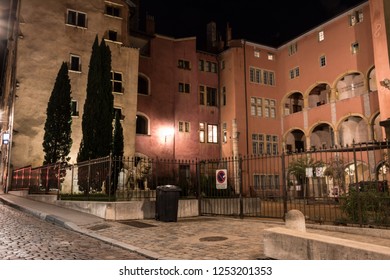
pixel 287 244
pixel 122 210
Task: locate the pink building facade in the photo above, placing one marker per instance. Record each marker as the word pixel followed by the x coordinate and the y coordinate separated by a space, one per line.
pixel 318 90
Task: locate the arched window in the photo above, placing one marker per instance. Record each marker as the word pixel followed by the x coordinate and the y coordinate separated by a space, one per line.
pixel 142 125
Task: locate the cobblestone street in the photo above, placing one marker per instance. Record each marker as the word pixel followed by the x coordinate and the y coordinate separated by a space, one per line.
pixel 25 237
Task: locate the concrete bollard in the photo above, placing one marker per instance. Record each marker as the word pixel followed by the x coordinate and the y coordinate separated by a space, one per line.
pixel 295 220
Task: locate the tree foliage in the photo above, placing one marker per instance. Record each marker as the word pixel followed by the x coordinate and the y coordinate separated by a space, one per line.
pixel 57 140
pixel 98 107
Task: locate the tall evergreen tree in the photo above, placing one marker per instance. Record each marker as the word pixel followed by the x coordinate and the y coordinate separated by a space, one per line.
pixel 98 107
pixel 57 139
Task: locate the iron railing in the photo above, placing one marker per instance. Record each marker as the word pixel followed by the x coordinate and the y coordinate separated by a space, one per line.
pixel 317 182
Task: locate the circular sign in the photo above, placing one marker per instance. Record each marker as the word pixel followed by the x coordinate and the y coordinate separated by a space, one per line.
pixel 221 176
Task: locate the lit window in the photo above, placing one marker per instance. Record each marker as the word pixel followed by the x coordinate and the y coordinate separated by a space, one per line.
pixel 76 18
pixel 257 53
pixel 321 36
pixel 271 56
pixel 201 132
pixel 212 133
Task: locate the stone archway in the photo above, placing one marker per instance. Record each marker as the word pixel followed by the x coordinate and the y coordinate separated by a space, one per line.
pixel 295 141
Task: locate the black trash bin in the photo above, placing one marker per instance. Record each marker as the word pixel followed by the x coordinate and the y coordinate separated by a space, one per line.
pixel 167 203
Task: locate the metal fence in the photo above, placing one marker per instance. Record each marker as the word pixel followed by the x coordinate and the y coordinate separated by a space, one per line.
pixel 317 182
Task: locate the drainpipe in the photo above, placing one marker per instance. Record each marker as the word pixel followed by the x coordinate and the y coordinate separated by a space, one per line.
pixel 236 163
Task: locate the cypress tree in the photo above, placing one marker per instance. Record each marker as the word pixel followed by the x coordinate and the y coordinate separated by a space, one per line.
pixel 97 117
pixel 57 139
pixel 98 107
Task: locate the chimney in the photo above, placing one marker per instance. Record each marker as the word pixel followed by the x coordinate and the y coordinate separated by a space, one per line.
pixel 150 25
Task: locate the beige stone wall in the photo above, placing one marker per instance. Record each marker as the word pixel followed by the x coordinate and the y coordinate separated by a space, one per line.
pixel 46 42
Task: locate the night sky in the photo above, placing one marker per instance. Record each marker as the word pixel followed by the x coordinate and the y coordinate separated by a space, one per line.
pixel 268 22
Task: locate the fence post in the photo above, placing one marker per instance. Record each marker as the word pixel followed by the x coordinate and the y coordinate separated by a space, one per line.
pixel 198 187
pixel 241 189
pixel 110 174
pixel 284 179
pixel 357 184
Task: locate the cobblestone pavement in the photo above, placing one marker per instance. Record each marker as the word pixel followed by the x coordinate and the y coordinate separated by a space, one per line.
pixel 199 238
pixel 25 237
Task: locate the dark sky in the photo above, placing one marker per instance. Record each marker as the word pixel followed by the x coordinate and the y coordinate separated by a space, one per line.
pixel 268 22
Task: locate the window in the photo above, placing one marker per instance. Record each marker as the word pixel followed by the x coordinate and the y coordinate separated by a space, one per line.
pixel 201 95
pixel 211 96
pixel 266 182
pixel 201 65
pixel 270 108
pixel 223 96
pixel 75 64
pixel 259 76
pixel 257 144
pixel 294 73
pixel 116 79
pixel 322 61
pixel 356 18
pixel 184 64
pixel 321 36
pixel 222 64
pixel 292 49
pixel 255 75
pixel 256 53
pixel 207 66
pixel 224 132
pixel 271 56
pixel 112 35
pixel 207 96
pixel 271 78
pixel 113 11
pixel 75 108
pixel 184 87
pixel 269 142
pixel 355 48
pixel 212 133
pixel 256 107
pixel 143 85
pixel 142 125
pixel 202 132
pixel 76 18
pixel 184 126
pixel 119 112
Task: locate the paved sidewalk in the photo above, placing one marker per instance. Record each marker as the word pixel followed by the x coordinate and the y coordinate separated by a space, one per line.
pixel 197 238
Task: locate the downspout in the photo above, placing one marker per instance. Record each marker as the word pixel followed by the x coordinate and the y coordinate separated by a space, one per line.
pixel 246 101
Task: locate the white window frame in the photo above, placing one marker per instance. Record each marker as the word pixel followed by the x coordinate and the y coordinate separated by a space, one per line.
pixel 72 57
pixel 76 23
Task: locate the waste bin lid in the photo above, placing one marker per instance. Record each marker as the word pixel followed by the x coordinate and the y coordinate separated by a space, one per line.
pixel 169 188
